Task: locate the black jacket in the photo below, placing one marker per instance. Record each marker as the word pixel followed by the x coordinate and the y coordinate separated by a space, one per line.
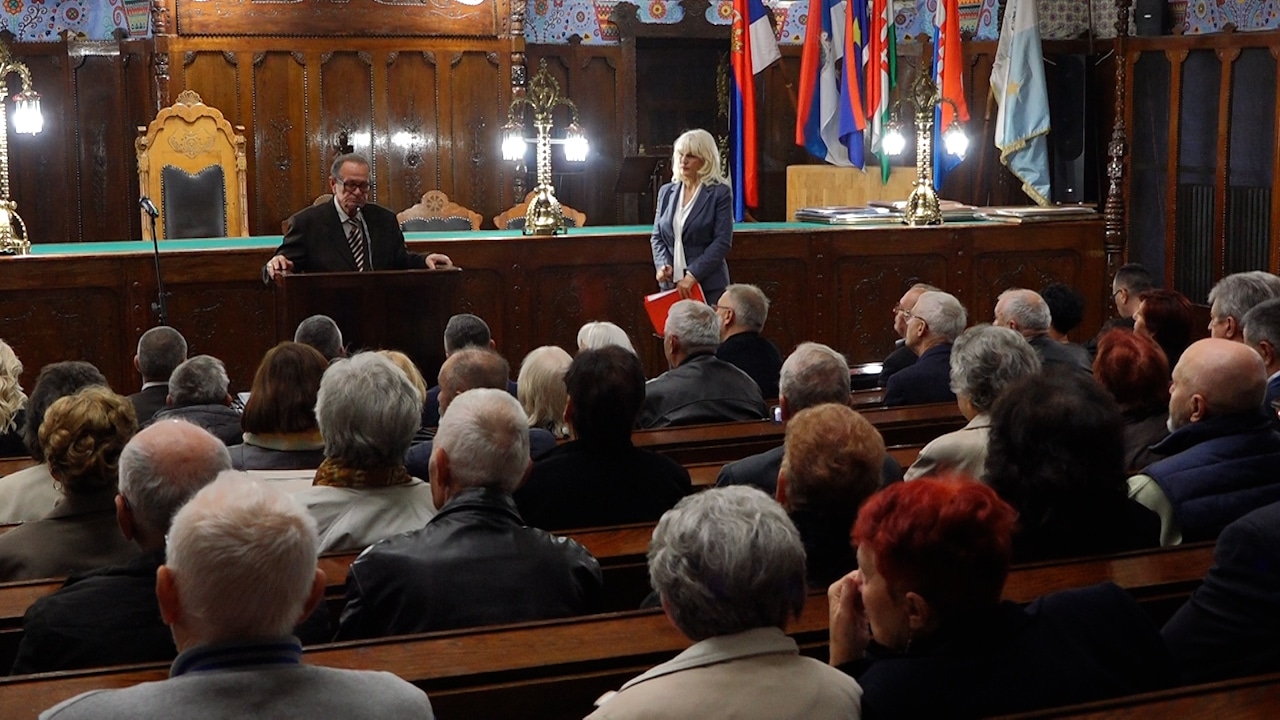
pixel 475 563
pixel 317 242
pixel 146 403
pixel 704 389
pixel 927 381
pixel 220 420
pixel 754 355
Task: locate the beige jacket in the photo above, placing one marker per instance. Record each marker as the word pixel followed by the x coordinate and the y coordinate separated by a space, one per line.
pixel 963 451
pixel 755 674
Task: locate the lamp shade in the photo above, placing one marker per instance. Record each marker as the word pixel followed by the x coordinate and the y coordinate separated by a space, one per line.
pixel 27 118
pixel 576 146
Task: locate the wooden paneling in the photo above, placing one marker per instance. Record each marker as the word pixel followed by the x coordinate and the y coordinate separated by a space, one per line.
pixel 279 163
pixel 411 151
pixel 349 18
pixel 477 175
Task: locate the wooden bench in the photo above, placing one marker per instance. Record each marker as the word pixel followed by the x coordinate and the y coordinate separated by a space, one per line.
pixel 555 669
pixel 1257 696
pixel 11 465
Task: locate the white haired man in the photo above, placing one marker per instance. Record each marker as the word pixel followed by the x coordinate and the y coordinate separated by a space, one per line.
pixel 699 387
pixel 475 563
pixel 198 394
pixel 933 325
pixel 743 310
pixel 729 567
pixel 1028 313
pixel 245 540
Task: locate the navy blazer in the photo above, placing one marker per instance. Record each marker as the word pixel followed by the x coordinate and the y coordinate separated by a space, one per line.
pixel 927 381
pixel 707 235
pixel 317 242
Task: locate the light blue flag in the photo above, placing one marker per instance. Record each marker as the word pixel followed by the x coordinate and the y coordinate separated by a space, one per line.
pixel 1017 81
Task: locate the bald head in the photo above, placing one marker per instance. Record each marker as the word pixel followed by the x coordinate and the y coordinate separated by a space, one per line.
pixel 1216 377
pixel 471 368
pixel 1024 311
pixel 161 468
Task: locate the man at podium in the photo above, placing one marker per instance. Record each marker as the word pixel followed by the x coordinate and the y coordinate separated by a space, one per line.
pixel 348 234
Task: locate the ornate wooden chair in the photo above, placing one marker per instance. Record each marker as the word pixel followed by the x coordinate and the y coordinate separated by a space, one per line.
pixel 436 212
pixel 513 218
pixel 191 163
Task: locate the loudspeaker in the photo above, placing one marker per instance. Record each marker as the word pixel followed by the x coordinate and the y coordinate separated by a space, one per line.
pixel 1072 141
pixel 1151 17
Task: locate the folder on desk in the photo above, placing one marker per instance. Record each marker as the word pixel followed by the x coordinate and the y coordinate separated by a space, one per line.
pixel 659 304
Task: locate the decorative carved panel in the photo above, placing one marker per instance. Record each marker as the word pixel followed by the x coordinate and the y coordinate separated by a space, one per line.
pixel 341 18
pixel 346 112
pixel 412 147
pixel 868 289
pixel 280 126
pixel 475 88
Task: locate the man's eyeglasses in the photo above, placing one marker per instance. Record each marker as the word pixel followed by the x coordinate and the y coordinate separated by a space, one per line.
pixel 353 185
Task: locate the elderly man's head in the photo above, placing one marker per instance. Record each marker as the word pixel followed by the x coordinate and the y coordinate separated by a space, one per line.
pixel 938 318
pixel 321 333
pixel 483 442
pixel 692 327
pixel 742 308
pixel 160 350
pixel 726 561
pixel 367 411
pixel 1024 311
pixel 469 369
pixel 906 304
pixel 811 375
pixel 830 463
pixel 242 540
pixel 984 361
pixel 1262 333
pixel 1235 295
pixel 465 330
pixel 1214 378
pixel 202 380
pixel 160 469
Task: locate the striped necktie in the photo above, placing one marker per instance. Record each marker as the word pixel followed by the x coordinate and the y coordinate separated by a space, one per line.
pixel 355 239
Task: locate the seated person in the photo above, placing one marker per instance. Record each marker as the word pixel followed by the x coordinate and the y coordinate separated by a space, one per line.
pixel 984 361
pixel 160 350
pixel 1028 313
pixel 475 563
pixel 419 383
pixel 1262 333
pixel 321 333
pixel 934 324
pixel 729 568
pixel 279 420
pixel 463 331
pixel 902 358
pixel 600 333
pixel 30 494
pixel 831 465
pixel 541 390
pixel 699 387
pixel 109 616
pixel 368 412
pixel 1231 625
pixel 1056 454
pixel 600 478
pixel 1165 316
pixel 1134 370
pixel 198 394
pixel 1220 458
pixel 921 626
pixel 244 541
pixel 13 403
pixel 81 437
pixel 743 310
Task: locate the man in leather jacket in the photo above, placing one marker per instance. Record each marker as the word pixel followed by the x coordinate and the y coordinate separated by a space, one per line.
pixel 474 563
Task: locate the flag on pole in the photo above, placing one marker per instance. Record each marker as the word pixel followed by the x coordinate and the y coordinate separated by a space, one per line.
pixel 881 63
pixel 948 63
pixel 818 114
pixel 1017 81
pixel 853 118
pixel 753 48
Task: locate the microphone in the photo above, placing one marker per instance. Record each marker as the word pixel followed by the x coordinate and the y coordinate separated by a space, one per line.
pixel 149 207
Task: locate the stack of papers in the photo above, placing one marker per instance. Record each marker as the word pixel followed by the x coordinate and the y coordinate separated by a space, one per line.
pixel 1035 213
pixel 848 215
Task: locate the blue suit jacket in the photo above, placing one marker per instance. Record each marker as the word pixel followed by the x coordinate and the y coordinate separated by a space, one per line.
pixel 927 381
pixel 707 235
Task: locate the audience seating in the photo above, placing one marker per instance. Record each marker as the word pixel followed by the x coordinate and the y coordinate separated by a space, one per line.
pixel 1256 696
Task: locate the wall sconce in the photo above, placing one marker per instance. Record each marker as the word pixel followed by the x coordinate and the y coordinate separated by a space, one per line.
pixel 922 205
pixel 28 121
pixel 544 216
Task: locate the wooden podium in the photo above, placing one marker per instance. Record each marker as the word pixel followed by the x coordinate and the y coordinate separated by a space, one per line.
pixel 403 310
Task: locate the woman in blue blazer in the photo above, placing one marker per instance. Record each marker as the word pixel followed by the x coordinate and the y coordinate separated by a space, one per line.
pixel 693 228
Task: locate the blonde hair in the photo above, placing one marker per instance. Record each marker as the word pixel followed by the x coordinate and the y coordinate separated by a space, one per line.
pixel 700 144
pixel 403 362
pixel 541 389
pixel 12 399
pixel 83 435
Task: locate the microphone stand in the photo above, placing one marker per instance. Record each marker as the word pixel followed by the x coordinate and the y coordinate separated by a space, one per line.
pixel 160 306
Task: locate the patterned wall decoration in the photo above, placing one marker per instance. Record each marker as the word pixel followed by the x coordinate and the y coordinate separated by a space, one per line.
pixel 47 20
pixel 1207 16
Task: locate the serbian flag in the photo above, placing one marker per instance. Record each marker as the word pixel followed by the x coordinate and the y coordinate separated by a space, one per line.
pixel 881 64
pixel 1017 81
pixel 818 113
pixel 753 48
pixel 853 118
pixel 948 64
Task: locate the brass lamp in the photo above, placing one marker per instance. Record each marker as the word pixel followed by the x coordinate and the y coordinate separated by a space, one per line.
pixel 26 120
pixel 922 205
pixel 544 216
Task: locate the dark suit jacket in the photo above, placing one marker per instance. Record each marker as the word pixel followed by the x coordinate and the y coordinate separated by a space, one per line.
pixel 754 355
pixel 928 381
pixel 707 235
pixel 146 403
pixel 1053 352
pixel 317 242
pixel 900 359
pixel 1231 625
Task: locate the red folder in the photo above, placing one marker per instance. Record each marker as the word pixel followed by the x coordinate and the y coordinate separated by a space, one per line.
pixel 659 304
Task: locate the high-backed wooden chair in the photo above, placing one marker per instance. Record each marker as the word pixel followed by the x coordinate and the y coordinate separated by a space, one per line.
pixel 191 164
pixel 513 218
pixel 436 212
pixel 320 200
